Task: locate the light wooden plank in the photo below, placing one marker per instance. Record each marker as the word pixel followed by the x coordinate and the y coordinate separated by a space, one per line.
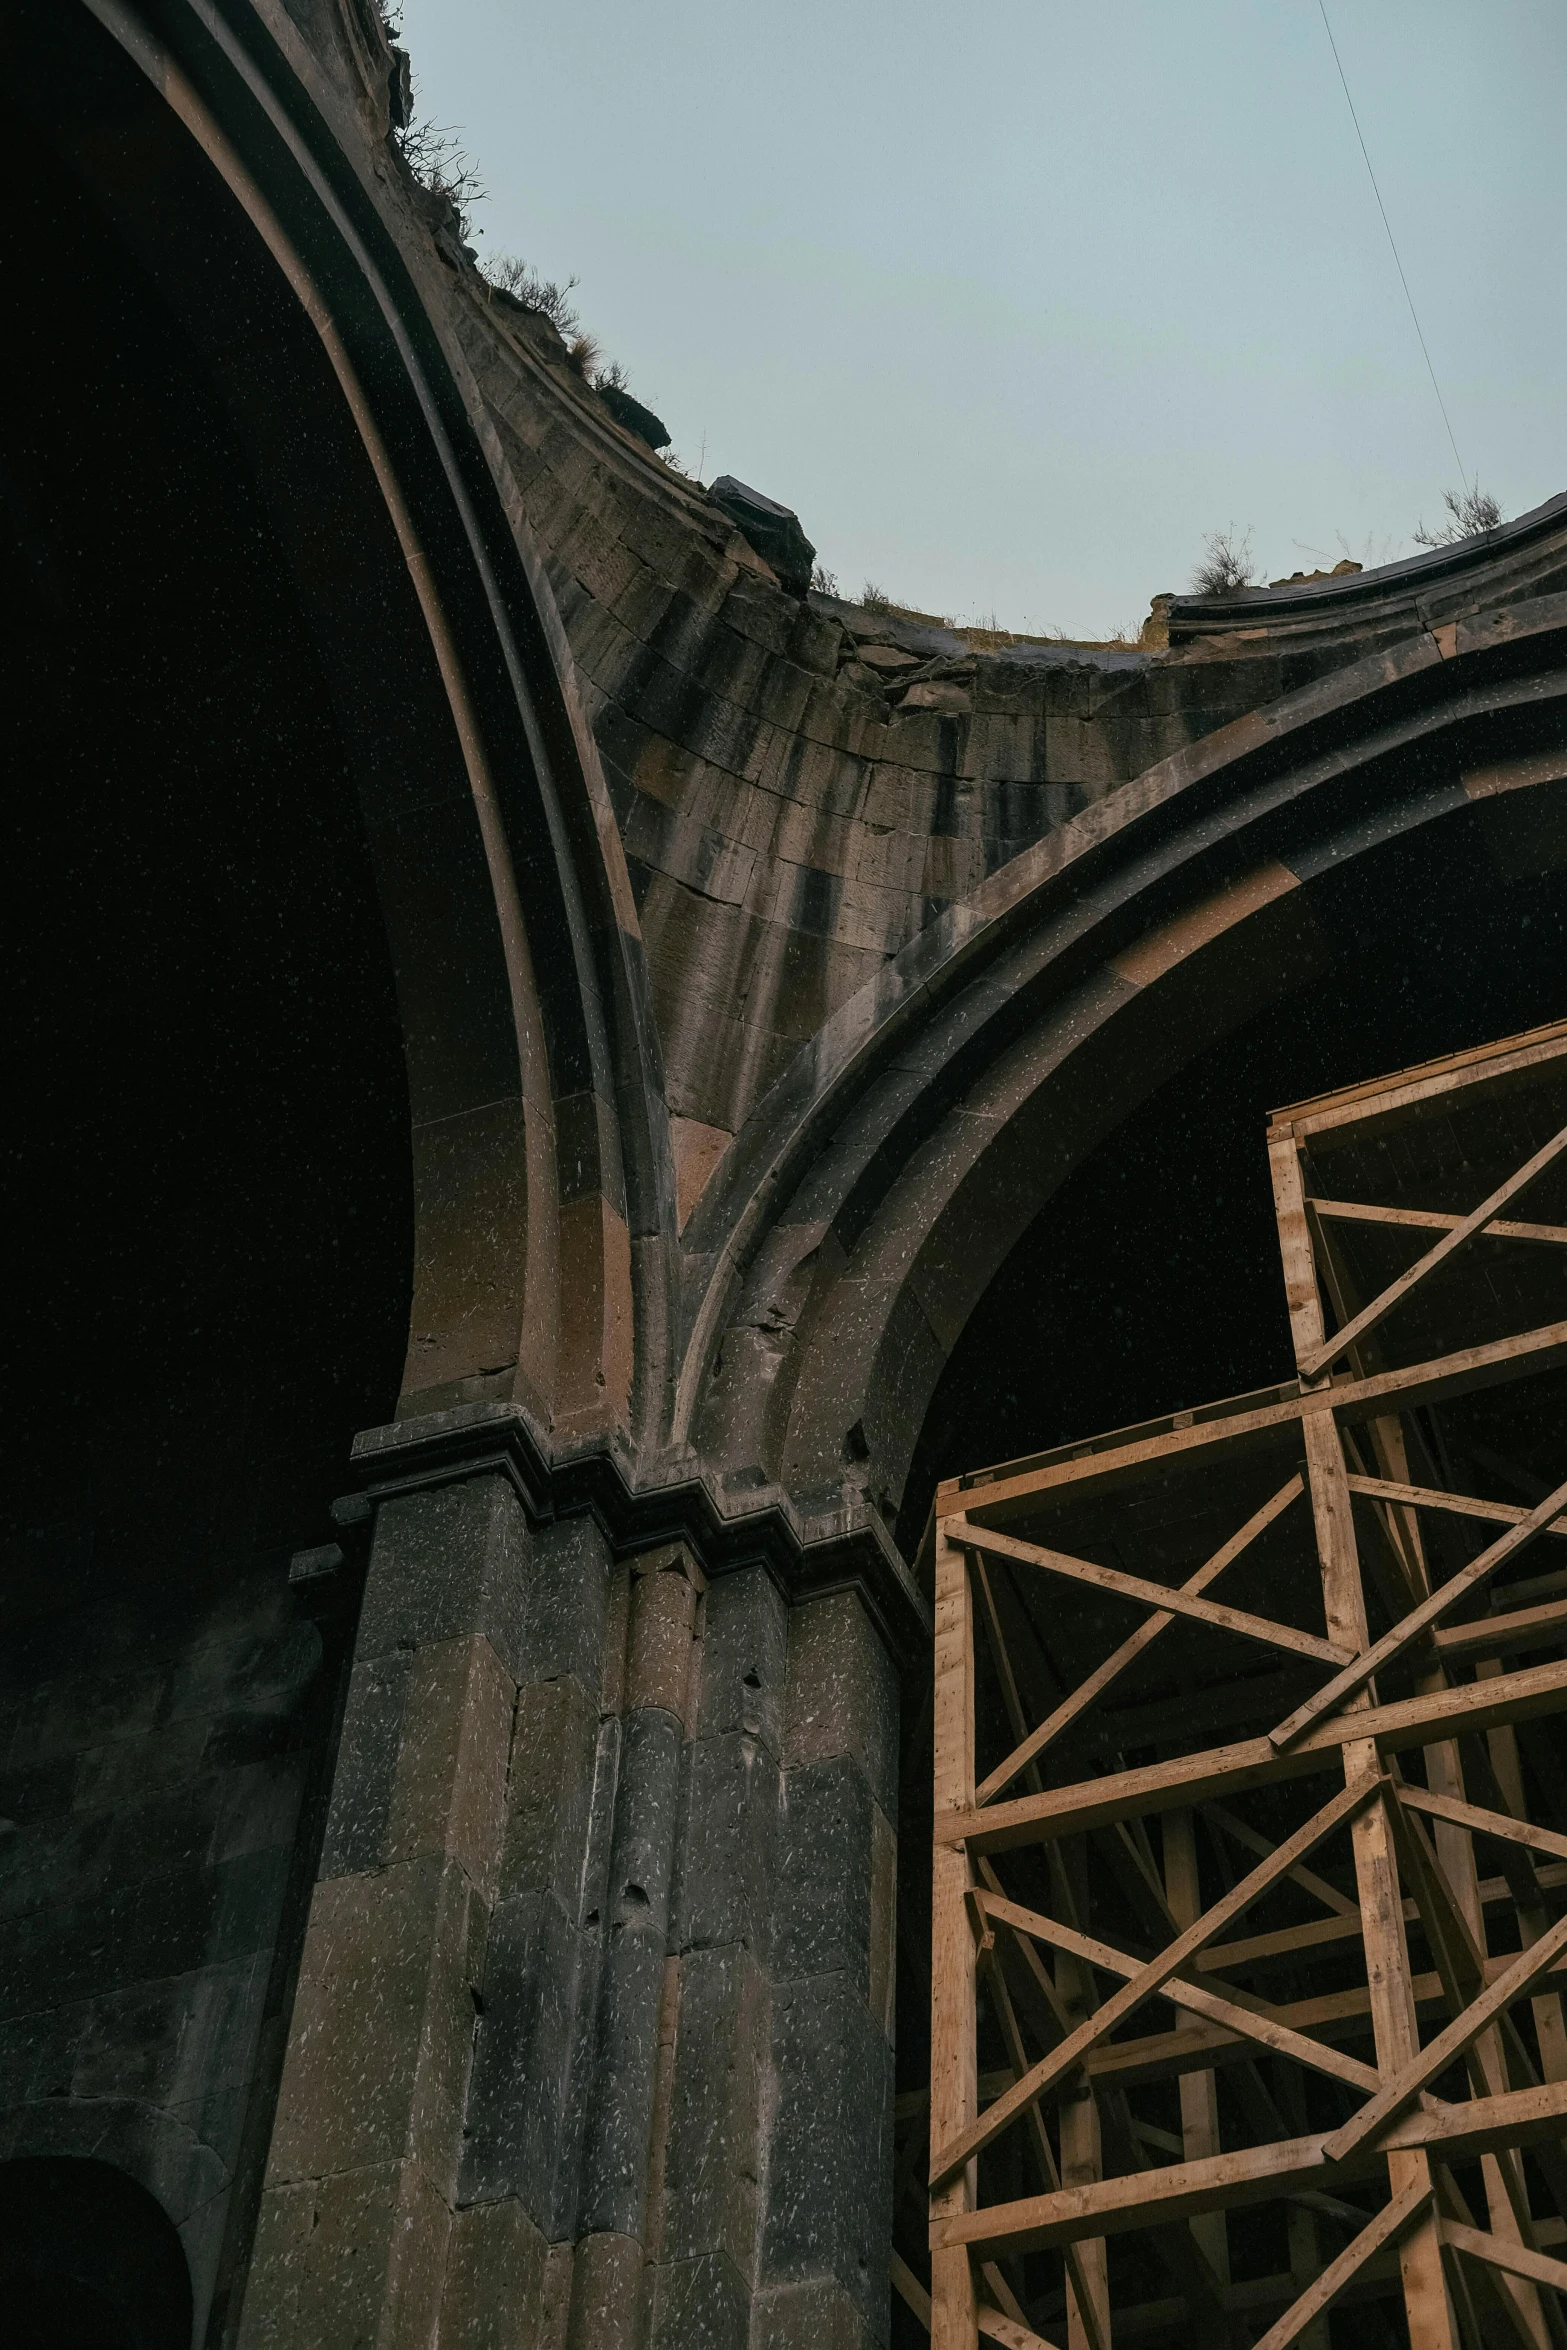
pixel 1439 2053
pixel 1433 1497
pixel 1397 1292
pixel 1089 1691
pixel 1421 1619
pixel 1507 2253
pixel 1251 2174
pixel 1267 2029
pixel 1256 1762
pixel 1324 2290
pixel 909 2290
pixel 1379 1101
pixel 996 2326
pixel 1459 1373
pixel 1163 1598
pixel 1487 1823
pixel 954 2087
pixel 1388 1973
pixel 965 2144
pixel 1351 1211
pixel 1524 1627
pixel 1296 1254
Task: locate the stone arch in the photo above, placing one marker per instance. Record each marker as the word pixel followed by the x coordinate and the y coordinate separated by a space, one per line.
pixel 885 1181
pixel 102 2230
pixel 212 159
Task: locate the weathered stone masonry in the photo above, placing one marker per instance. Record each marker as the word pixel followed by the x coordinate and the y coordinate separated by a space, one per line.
pixel 593 2031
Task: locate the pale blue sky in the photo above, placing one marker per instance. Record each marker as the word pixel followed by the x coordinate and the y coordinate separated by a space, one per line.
pixel 1013 302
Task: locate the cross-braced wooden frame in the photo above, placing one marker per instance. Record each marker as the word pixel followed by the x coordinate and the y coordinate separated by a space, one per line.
pixel 1249 1859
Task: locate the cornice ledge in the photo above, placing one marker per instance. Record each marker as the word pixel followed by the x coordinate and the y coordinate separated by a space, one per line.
pixel 842 1545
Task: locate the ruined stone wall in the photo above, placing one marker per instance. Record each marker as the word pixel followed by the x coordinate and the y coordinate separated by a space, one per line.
pixel 801 788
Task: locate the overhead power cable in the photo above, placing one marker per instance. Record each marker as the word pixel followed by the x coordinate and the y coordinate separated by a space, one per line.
pixel 1392 243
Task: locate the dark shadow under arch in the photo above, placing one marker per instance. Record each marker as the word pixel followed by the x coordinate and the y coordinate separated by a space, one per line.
pixel 1151 1281
pixel 88 2261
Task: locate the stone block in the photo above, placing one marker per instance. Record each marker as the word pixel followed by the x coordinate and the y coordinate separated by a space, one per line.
pixel 829 2198
pixel 745 1648
pixel 843 1693
pixel 522 2124
pixel 451 1770
pixel 550 1792
pixel 567 1586
pixel 606 2294
pixel 712 2159
pixel 727 1853
pixel 664 1587
pixel 445 1565
pixel 38 2055
pixel 382 2026
pixel 883 1962
pixel 814 2316
pixel 822 1911
pixel 494 2297
pixel 168 2042
pixel 353 2259
pixel 617 2140
pixel 700 2305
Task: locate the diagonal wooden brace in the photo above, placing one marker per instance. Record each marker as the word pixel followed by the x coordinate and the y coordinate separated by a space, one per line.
pixel 1149 1979
pixel 1389 2224
pixel 1419 1620
pixel 1316 1359
pixel 1388 2103
pixel 1163 1597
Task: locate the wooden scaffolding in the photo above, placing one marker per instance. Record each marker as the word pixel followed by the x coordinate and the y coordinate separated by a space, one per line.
pixel 1250 1844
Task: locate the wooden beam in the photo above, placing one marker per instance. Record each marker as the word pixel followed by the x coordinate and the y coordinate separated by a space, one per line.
pixel 954 2089
pixel 1159 1596
pixel 1378 1102
pixel 1256 1762
pixel 1459 1373
pixel 1506 2253
pixel 1422 1619
pixel 1388 1972
pixel 1307 1879
pixel 1433 1497
pixel 1544 1626
pixel 996 2326
pixel 1317 1358
pixel 909 2290
pixel 1089 1691
pixel 948 2159
pixel 1083 2287
pixel 1353 1211
pixel 1439 2053
pixel 1267 2028
pixel 1389 2224
pixel 1251 2174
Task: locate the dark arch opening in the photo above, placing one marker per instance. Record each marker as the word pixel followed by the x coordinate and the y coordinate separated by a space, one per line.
pixel 88 2260
pixel 206 1194
pixel 207 1161
pixel 1151 1279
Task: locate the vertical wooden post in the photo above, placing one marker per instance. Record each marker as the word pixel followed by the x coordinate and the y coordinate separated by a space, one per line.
pixel 1082 2157
pixel 1199 2092
pixel 1426 2301
pixel 954 2080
